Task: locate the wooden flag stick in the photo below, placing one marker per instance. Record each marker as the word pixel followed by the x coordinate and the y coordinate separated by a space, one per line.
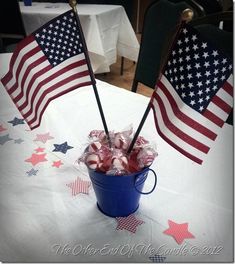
pixel 73 4
pixel 186 16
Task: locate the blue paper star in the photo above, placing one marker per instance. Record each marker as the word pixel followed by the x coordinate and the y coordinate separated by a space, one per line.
pixel 4 139
pixel 62 147
pixel 18 141
pixel 16 121
pixel 157 258
pixel 32 172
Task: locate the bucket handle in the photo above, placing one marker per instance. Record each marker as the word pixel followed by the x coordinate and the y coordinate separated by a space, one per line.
pixel 155 183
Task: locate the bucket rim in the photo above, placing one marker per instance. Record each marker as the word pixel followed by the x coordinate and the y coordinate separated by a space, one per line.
pixel 145 169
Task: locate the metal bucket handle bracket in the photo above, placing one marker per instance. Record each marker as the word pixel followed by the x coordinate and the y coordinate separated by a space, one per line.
pixel 155 183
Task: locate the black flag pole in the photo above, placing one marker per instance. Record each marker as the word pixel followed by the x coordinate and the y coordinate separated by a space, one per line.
pixel 73 4
pixel 186 16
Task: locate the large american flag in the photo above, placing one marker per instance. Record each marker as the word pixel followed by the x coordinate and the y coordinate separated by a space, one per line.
pixel 45 65
pixel 194 95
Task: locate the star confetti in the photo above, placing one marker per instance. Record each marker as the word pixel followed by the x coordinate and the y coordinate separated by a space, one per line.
pixel 32 172
pixel 16 121
pixel 4 139
pixel 36 158
pixel 57 164
pixel 62 147
pixel 157 259
pixel 39 149
pixel 129 223
pixel 18 141
pixel 178 231
pixel 43 137
pixel 79 186
pixel 2 128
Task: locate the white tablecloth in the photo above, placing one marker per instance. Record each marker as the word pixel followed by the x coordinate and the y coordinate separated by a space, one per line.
pixel 40 220
pixel 106 28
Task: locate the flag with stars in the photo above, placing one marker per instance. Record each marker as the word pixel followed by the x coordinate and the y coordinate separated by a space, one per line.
pixel 47 64
pixel 194 95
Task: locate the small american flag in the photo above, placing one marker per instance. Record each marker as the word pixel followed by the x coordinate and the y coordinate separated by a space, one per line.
pixel 45 65
pixel 194 95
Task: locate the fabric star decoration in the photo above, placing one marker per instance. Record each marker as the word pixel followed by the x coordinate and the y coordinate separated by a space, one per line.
pixel 32 172
pixel 129 223
pixel 178 231
pixel 16 121
pixel 43 137
pixel 57 164
pixel 2 128
pixel 157 258
pixel 39 149
pixel 79 186
pixel 18 141
pixel 36 158
pixel 62 147
pixel 4 139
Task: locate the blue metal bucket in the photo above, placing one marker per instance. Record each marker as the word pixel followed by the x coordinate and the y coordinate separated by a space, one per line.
pixel 118 196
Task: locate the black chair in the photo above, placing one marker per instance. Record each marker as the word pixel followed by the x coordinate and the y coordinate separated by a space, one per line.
pixel 160 24
pixel 209 27
pixel 11 25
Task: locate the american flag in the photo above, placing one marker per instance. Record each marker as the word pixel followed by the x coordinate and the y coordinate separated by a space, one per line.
pixel 194 95
pixel 45 65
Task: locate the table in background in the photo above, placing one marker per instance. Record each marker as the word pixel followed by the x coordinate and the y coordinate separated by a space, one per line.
pixel 107 30
pixel 40 218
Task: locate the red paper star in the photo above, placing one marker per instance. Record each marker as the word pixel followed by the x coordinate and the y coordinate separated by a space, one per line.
pixel 39 149
pixel 129 223
pixel 79 186
pixel 36 158
pixel 57 164
pixel 178 231
pixel 43 137
pixel 2 128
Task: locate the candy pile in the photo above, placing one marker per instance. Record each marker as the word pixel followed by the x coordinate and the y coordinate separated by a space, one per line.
pixel 114 160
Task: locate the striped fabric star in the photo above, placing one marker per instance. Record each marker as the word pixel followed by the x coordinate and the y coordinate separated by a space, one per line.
pixel 79 186
pixel 129 223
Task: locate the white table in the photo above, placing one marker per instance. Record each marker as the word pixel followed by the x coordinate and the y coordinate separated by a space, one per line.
pixel 106 28
pixel 40 219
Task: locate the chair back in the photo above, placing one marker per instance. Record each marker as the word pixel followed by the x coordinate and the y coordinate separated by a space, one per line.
pixel 160 23
pixel 11 24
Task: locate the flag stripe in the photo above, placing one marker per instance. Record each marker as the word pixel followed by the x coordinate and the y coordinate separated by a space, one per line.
pixel 221 104
pixel 222 93
pixel 215 119
pixel 217 111
pixel 180 124
pixel 18 53
pixel 54 90
pixel 172 142
pixel 29 89
pixel 45 83
pixel 188 111
pixel 228 88
pixel 171 136
pixel 32 70
pixel 27 72
pixel 184 117
pixel 29 111
pixel 175 130
pixel 42 109
pixel 18 58
pixel 28 56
